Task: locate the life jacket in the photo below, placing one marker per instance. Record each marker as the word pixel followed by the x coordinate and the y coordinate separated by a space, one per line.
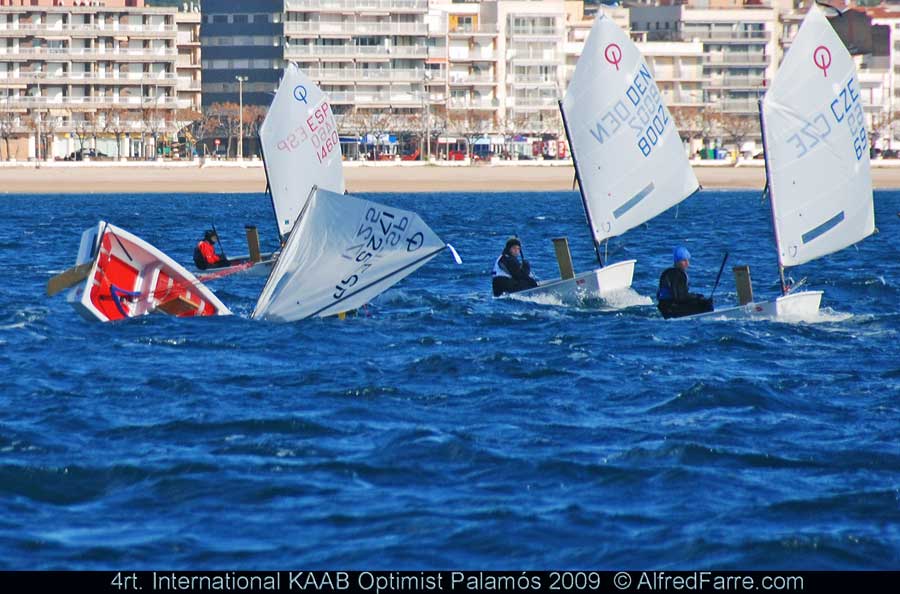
pixel 205 255
pixel 499 269
pixel 666 291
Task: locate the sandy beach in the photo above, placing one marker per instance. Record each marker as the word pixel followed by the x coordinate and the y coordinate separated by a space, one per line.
pixel 71 178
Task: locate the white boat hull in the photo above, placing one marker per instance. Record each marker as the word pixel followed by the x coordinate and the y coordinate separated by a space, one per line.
pixel 595 283
pixel 130 278
pixel 239 266
pixel 793 306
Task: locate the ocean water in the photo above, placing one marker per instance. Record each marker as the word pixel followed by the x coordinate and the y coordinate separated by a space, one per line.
pixel 441 428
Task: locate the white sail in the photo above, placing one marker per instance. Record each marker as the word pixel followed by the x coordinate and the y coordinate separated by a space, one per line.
pixel 631 162
pixel 342 252
pixel 301 146
pixel 816 147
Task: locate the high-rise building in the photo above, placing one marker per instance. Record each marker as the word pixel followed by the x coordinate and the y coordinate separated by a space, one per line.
pixel 76 76
pixel 242 39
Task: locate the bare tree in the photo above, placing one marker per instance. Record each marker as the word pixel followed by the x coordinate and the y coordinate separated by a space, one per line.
pixel 117 121
pixel 880 126
pixel 738 128
pixel 7 129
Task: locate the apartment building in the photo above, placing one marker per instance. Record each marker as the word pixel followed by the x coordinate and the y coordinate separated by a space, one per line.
pixel 368 55
pixel 75 76
pixel 242 39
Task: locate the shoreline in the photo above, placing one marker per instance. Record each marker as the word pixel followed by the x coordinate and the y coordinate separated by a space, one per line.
pixel 249 177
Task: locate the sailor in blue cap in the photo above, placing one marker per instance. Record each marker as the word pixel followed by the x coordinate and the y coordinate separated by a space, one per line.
pixel 674 300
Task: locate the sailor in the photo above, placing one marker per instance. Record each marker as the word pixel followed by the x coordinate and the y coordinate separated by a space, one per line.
pixel 510 275
pixel 205 255
pixel 674 299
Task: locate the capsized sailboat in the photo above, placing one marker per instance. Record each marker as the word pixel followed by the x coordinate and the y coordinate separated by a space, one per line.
pixel 629 159
pixel 118 275
pixel 342 252
pixel 817 162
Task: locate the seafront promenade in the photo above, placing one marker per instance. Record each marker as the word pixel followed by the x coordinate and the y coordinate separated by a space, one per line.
pixel 248 176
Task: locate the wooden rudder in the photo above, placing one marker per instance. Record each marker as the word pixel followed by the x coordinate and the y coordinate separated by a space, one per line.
pixel 743 284
pixel 253 242
pixel 564 257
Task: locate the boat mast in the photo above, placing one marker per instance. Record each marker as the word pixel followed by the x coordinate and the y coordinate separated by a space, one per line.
pixel 587 211
pixel 762 129
pixel 262 152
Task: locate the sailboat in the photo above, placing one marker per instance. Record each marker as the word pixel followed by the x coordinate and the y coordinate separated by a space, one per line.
pixel 118 275
pixel 301 147
pixel 340 251
pixel 629 160
pixel 817 163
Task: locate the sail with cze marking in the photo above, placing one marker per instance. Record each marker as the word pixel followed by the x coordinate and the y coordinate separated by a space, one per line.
pixel 301 146
pixel 342 252
pixel 817 148
pixel 631 162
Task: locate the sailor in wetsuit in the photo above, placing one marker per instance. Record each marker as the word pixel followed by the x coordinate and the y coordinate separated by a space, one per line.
pixel 205 255
pixel 509 275
pixel 674 299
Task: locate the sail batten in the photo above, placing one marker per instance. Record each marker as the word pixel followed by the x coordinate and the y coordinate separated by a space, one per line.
pixel 630 160
pixel 816 145
pixel 299 134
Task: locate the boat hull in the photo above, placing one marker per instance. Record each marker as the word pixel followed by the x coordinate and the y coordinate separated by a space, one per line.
pixel 793 306
pixel 130 278
pixel 595 283
pixel 240 266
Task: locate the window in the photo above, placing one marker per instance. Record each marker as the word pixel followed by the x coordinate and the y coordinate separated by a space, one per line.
pixel 240 18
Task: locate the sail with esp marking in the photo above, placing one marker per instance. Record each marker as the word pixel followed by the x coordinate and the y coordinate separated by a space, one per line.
pixel 342 252
pixel 817 148
pixel 631 162
pixel 301 146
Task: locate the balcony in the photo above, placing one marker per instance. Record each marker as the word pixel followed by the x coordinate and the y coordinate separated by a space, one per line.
pixel 536 32
pixel 362 75
pixel 726 36
pixel 354 6
pixel 533 81
pixel 89 102
pixel 83 29
pixel 464 32
pixel 365 98
pixel 88 54
pixel 473 103
pixel 738 58
pixel 324 28
pixel 737 105
pixel 129 78
pixel 737 82
pixel 471 79
pixel 534 103
pixel 305 52
pixel 533 56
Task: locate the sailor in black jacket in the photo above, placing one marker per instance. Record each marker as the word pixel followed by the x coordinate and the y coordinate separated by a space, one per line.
pixel 509 275
pixel 674 298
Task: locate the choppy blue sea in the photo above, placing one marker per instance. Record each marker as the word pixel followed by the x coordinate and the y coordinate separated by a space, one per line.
pixel 441 428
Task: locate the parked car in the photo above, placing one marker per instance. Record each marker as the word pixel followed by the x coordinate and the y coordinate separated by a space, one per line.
pixel 80 154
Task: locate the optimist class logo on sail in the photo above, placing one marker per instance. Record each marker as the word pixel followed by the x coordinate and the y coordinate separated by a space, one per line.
pixel 641 109
pixel 318 129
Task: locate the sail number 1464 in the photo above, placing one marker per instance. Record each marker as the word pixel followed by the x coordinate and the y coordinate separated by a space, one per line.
pixel 318 129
